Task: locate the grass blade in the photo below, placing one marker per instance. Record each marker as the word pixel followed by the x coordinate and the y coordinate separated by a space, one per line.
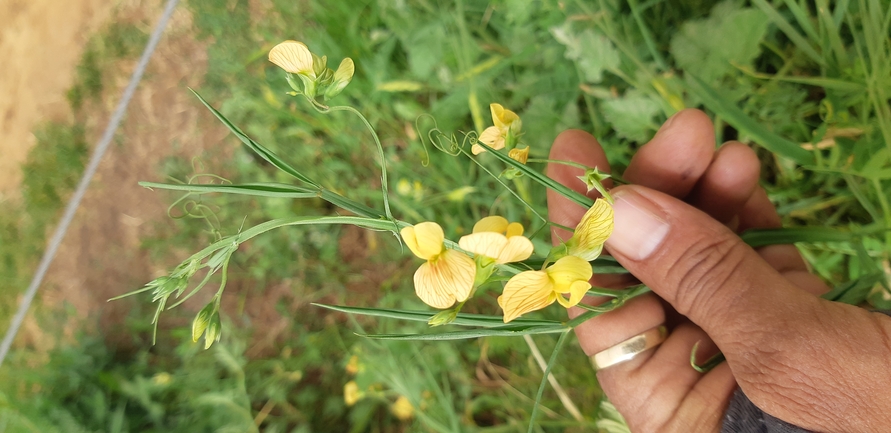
pixel 509 331
pixel 463 319
pixel 762 237
pixel 793 35
pixel 739 120
pixel 535 175
pixel 256 189
pixel 264 153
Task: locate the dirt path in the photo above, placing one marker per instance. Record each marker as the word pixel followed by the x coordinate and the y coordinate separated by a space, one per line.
pixel 40 44
pixel 102 254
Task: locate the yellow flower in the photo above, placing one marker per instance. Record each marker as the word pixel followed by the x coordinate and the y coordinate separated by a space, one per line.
pixel 493 237
pixel 534 290
pixel 402 409
pixel 507 129
pixel 519 155
pixel 293 57
pixel 353 365
pixel 593 230
pixel 351 393
pixel 316 78
pixel 448 275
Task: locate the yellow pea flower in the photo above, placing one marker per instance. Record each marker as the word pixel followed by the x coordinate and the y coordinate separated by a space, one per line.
pixel 294 57
pixel 533 290
pixel 315 76
pixel 593 230
pixel 448 275
pixel 506 130
pixel 402 409
pixel 351 393
pixel 496 239
pixel 519 155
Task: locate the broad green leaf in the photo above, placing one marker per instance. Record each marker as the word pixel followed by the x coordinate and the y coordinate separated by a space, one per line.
pixel 593 52
pixel 710 47
pixel 632 115
pixel 463 319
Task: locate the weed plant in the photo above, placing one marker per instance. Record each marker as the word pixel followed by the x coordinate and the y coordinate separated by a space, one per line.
pixel 806 84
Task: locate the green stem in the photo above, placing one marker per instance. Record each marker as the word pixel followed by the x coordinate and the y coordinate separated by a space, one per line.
pixel 558 161
pixel 544 379
pixel 886 210
pixel 647 37
pixel 611 305
pixel 380 148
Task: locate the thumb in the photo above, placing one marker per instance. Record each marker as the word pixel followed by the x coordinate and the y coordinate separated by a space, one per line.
pixel 705 271
pixel 799 358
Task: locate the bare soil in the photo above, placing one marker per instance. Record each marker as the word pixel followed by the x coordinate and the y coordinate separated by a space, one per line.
pixel 102 255
pixel 40 44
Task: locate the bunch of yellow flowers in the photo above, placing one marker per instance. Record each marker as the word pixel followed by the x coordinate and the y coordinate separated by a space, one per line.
pixel 450 276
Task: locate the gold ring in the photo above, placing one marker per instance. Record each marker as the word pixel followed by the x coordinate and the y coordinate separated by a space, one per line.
pixel 630 348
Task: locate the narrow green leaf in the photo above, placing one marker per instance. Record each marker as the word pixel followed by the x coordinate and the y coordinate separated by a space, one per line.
pixel 855 291
pixel 463 319
pixel 256 189
pixel 824 82
pixel 787 28
pixel 473 333
pixel 739 120
pixel 264 153
pixel 537 176
pixel 761 237
pixel 544 380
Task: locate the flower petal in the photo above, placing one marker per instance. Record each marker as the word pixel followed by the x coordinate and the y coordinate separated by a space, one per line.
pixel 566 271
pixel 493 223
pixel 576 292
pixel 519 155
pixel 525 292
pixel 424 239
pixel 487 244
pixel 518 248
pixel 514 229
pixel 497 111
pixel 292 56
pixel 456 273
pixel 490 136
pixel 427 288
pixel 594 229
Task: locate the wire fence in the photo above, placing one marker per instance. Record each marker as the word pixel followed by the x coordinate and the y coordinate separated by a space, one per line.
pixel 95 159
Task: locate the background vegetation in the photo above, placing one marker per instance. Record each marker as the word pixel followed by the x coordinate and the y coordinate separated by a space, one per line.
pixel 806 83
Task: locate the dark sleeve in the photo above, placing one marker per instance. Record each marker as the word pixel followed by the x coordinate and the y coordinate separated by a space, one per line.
pixel 744 417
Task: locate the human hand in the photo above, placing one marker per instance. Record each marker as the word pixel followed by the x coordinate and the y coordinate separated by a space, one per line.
pixel 820 365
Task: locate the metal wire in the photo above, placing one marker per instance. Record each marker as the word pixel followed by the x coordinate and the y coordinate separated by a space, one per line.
pixel 95 159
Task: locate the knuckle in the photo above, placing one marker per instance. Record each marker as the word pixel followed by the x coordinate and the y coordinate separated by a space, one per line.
pixel 705 267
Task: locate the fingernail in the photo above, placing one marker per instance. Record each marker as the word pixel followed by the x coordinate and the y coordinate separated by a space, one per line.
pixel 638 230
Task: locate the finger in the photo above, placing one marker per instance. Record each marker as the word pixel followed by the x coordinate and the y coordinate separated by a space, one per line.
pixel 693 262
pixel 661 392
pixel 675 159
pixel 788 350
pixel 759 212
pixel 638 316
pixel 576 146
pixel 727 183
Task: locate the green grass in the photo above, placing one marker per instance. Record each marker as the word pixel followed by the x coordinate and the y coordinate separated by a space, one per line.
pixel 773 75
